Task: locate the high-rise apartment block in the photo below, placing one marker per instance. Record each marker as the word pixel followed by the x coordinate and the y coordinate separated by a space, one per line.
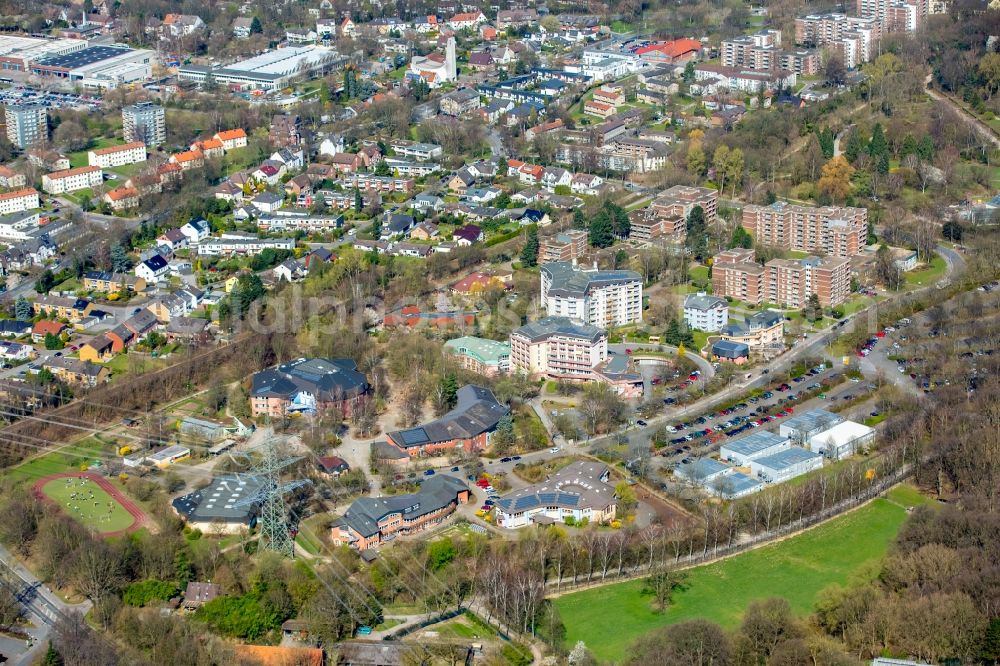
pixel 762 52
pixel 144 122
pixel 838 231
pixel 853 37
pixel 27 124
pixel 596 298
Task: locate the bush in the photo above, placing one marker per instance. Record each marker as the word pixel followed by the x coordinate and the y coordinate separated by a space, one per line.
pixel 145 592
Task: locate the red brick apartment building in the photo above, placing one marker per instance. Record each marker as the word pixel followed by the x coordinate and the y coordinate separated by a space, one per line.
pixel 372 521
pixel 565 246
pixel 679 200
pixel 785 282
pixel 830 230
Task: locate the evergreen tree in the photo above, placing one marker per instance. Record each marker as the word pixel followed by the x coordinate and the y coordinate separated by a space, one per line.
pixel 376 228
pixel 688 75
pixel 579 221
pixel 878 149
pixel 740 238
pixel 855 145
pixel 602 231
pixel 909 146
pixel 925 149
pixel 358 201
pixel 697 234
pixel 619 219
pixel 255 27
pixel 53 342
pixel 826 140
pixel 529 255
pixel 119 259
pixel 22 309
pixel 503 436
pixel 449 390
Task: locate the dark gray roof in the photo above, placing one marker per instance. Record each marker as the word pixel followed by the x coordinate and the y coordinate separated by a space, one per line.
pixel 730 349
pixel 703 302
pixel 218 500
pixel 569 280
pixel 436 493
pixel 477 411
pixel 549 326
pixel 329 380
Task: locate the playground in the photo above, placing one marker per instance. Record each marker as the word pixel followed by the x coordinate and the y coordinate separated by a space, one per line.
pixel 91 500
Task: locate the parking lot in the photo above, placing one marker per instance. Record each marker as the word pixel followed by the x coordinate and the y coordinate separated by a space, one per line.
pixel 50 99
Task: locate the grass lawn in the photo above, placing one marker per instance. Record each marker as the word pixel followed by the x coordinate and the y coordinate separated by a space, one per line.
pixel 698 274
pixel 118 365
pixel 88 504
pixel 700 340
pixel 609 618
pixel 927 275
pixel 67 458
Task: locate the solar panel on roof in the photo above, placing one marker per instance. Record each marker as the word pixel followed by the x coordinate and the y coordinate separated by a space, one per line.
pixel 414 436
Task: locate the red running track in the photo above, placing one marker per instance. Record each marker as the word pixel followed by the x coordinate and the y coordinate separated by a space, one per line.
pixel 139 518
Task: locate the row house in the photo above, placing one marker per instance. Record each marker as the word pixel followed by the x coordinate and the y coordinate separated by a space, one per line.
pixel 116 156
pixel 71 180
pixel 369 182
pixel 242 244
pixel 18 201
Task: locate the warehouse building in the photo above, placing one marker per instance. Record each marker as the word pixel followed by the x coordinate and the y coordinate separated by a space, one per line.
pixel 758 444
pixel 267 71
pixel 842 440
pixel 736 485
pixel 98 67
pixel 786 464
pixel 801 427
pixel 18 52
pixel 719 478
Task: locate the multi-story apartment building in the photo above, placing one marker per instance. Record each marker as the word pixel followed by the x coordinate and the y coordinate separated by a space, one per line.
pixel 597 298
pixel 27 124
pixel 839 231
pixel 71 180
pixel 851 36
pixel 648 226
pixel 751 50
pixel 18 200
pixel 786 282
pixel 703 312
pixel 564 246
pixel 558 348
pixel 737 275
pixel 680 200
pixel 144 122
pixel 762 52
pixel 115 156
pixel 894 15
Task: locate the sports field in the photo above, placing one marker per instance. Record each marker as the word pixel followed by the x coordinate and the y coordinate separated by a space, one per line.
pixel 89 503
pixel 609 618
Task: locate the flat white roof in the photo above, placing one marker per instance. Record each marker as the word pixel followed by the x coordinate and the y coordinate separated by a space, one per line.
pixel 841 434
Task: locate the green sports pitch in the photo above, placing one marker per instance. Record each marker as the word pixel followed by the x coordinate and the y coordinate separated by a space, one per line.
pixel 88 503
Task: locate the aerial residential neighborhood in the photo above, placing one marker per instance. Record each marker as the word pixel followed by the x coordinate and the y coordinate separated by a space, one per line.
pixel 533 333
